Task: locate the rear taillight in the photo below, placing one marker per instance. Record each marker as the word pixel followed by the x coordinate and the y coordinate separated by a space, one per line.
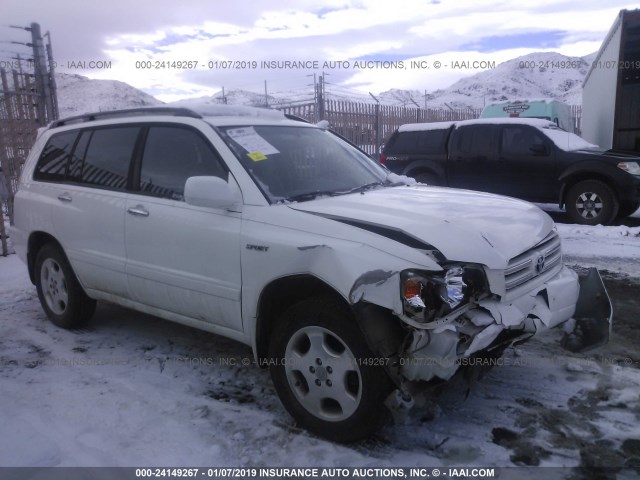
pixel 383 158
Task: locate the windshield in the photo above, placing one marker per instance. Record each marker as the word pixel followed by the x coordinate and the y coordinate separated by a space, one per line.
pixel 292 163
pixel 565 140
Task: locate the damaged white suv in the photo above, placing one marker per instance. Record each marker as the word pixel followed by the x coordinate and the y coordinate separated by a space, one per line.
pixel 353 285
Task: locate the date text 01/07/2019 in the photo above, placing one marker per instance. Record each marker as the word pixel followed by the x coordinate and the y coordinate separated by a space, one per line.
pixel 575 64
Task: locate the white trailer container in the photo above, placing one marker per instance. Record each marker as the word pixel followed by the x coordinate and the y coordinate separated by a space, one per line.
pixel 611 89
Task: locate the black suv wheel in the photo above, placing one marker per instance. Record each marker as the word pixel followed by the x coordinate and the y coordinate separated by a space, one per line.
pixel 591 202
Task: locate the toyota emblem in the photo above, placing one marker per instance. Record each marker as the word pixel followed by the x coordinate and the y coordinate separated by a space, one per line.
pixel 540 264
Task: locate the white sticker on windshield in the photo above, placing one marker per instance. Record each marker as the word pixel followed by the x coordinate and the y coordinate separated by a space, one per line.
pixel 249 139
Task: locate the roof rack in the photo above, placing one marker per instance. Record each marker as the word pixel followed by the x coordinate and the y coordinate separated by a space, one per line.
pixel 129 112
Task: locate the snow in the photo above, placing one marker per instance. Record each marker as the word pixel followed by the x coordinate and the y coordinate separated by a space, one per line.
pixel 78 94
pixel 422 127
pixel 534 122
pixel 134 390
pixel 212 110
pixel 567 141
pixel 562 139
pixel 395 178
pixel 613 248
pixel 552 75
pixel 549 79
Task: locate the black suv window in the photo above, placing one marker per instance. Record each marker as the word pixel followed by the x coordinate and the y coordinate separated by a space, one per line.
pixel 173 154
pixel 52 164
pixel 475 139
pixel 518 139
pixel 106 163
pixel 427 141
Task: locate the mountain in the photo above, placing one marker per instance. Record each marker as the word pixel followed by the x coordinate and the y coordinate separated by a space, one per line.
pixel 78 94
pixel 537 75
pixel 233 97
pixel 533 76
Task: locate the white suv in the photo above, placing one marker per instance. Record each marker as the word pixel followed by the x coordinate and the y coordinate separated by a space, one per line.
pixel 353 285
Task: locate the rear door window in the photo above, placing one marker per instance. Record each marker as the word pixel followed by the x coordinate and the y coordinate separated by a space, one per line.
pixel 108 155
pixel 429 141
pixel 475 139
pixel 52 165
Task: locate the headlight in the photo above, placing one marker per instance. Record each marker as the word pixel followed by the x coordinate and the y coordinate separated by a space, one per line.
pixel 631 167
pixel 429 295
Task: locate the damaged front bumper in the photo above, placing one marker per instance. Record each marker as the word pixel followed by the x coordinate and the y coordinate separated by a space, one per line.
pixel 436 350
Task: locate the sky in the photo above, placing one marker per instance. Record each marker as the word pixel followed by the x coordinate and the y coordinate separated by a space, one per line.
pixel 176 50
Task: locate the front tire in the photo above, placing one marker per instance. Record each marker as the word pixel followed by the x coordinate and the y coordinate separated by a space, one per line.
pixel 325 374
pixel 59 291
pixel 592 202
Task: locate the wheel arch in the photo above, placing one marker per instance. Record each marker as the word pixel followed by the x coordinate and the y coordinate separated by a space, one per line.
pixel 36 241
pixel 571 178
pixel 418 169
pixel 278 296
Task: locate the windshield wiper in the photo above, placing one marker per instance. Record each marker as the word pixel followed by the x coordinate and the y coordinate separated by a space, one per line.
pixel 302 197
pixel 364 188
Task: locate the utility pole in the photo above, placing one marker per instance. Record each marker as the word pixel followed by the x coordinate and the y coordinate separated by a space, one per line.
pixel 45 107
pixel 321 97
pixel 426 109
pixel 266 97
pixel 417 109
pixel 53 97
pixel 377 124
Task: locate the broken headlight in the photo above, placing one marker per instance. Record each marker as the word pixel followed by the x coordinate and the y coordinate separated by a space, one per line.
pixel 427 296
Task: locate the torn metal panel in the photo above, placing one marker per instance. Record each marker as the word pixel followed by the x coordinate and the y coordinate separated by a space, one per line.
pixel 437 352
pixel 483 339
pixel 431 355
pixel 377 287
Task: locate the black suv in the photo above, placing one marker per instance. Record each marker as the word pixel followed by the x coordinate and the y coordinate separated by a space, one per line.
pixel 530 159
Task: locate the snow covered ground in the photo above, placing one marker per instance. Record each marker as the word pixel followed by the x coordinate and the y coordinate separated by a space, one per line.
pixel 614 249
pixel 134 390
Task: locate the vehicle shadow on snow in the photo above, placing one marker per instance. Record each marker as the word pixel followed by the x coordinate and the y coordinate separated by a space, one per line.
pixel 222 369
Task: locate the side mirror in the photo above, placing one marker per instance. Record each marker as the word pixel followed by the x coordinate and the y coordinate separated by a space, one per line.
pixel 539 149
pixel 212 192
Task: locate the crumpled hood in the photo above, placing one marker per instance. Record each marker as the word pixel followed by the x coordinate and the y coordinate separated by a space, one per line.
pixel 463 225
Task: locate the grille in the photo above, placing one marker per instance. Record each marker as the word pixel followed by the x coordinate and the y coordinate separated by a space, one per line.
pixel 534 262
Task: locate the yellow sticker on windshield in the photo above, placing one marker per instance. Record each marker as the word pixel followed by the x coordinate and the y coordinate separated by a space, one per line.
pixel 257 156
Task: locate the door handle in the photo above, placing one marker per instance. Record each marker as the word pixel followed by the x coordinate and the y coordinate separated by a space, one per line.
pixel 64 197
pixel 138 210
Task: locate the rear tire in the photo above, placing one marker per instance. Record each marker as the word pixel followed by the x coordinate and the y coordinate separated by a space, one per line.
pixel 59 291
pixel 591 202
pixel 325 374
